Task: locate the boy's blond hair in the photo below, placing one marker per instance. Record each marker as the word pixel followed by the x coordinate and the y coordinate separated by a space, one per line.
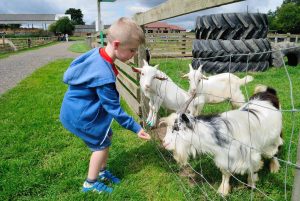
pixel 126 30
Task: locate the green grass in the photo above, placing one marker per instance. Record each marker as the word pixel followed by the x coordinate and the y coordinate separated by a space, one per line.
pixel 40 160
pixel 5 55
pixel 79 47
pixel 77 38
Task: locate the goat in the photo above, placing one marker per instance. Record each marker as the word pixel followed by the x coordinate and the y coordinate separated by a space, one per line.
pixel 161 90
pixel 217 88
pixel 237 139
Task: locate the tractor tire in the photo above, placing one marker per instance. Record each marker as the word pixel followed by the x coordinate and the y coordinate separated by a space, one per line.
pixel 232 26
pixel 222 67
pixel 251 50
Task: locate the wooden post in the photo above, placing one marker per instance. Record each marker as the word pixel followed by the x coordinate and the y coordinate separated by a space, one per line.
pixel 183 44
pixel 296 187
pixel 144 101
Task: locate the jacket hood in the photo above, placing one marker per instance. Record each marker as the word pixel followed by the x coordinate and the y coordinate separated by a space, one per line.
pixel 90 70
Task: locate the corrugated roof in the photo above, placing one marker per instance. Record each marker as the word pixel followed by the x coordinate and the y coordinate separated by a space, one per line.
pixel 27 17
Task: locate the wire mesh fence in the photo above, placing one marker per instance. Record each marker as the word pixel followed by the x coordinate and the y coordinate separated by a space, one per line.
pixel 201 175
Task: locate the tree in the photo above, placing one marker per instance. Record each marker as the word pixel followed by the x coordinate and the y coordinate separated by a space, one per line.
pixel 292 1
pixel 63 25
pixel 288 18
pixel 76 15
pixel 272 19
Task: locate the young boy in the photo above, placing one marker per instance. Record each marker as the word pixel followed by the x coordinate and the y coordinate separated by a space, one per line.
pixel 92 101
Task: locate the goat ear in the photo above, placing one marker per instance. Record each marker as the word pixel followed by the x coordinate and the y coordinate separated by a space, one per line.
pixel 200 67
pixel 204 77
pixel 191 67
pixel 145 62
pixel 185 118
pixel 136 70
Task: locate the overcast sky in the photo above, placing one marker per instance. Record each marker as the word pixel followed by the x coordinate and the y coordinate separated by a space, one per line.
pixel 112 11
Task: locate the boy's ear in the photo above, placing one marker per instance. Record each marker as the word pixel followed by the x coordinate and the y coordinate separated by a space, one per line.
pixel 116 44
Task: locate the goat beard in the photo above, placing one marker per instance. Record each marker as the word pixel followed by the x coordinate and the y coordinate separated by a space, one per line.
pixel 182 153
pixel 181 158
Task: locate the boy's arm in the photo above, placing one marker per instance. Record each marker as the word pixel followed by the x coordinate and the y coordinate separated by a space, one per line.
pixel 109 99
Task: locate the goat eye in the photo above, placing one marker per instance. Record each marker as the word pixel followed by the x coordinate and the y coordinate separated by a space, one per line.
pixel 142 73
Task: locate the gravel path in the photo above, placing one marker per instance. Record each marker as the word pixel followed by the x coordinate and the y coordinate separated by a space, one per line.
pixel 17 67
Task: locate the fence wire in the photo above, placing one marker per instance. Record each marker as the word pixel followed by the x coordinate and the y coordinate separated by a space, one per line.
pixel 288 160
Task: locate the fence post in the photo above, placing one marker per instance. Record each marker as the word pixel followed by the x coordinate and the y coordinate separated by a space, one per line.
pixel 183 43
pixel 296 187
pixel 143 99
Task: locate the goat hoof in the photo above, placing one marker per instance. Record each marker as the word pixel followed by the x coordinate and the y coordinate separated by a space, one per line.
pixel 224 191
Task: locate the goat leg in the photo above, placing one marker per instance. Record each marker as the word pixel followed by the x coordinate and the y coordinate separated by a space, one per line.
pixel 224 188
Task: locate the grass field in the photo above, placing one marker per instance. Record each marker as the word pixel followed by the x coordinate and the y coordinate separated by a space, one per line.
pixel 79 47
pixel 40 160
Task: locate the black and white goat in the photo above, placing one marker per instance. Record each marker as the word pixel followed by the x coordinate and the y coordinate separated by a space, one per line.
pixel 237 139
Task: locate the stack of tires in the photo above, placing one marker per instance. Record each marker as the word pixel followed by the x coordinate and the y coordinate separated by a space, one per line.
pixel 232 42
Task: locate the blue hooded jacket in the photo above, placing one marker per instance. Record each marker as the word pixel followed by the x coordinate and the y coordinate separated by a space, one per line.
pixel 92 100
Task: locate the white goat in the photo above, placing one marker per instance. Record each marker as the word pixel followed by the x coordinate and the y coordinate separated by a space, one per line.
pixel 217 88
pixel 236 139
pixel 161 90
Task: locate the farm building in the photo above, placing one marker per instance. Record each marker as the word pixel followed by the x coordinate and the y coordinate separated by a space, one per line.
pixel 162 27
pixel 83 30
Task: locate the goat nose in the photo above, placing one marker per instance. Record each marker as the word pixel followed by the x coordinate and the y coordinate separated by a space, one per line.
pixel 147 86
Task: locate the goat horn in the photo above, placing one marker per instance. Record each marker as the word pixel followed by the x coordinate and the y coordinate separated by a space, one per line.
pixel 161 123
pixel 187 103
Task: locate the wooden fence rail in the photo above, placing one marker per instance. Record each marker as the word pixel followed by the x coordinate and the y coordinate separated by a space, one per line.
pixel 15 44
pixel 128 87
pixel 283 38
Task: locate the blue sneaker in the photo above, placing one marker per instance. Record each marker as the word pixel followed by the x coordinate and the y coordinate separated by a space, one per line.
pixel 97 187
pixel 107 176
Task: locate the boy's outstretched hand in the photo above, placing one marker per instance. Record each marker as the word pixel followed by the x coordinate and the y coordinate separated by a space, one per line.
pixel 143 135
